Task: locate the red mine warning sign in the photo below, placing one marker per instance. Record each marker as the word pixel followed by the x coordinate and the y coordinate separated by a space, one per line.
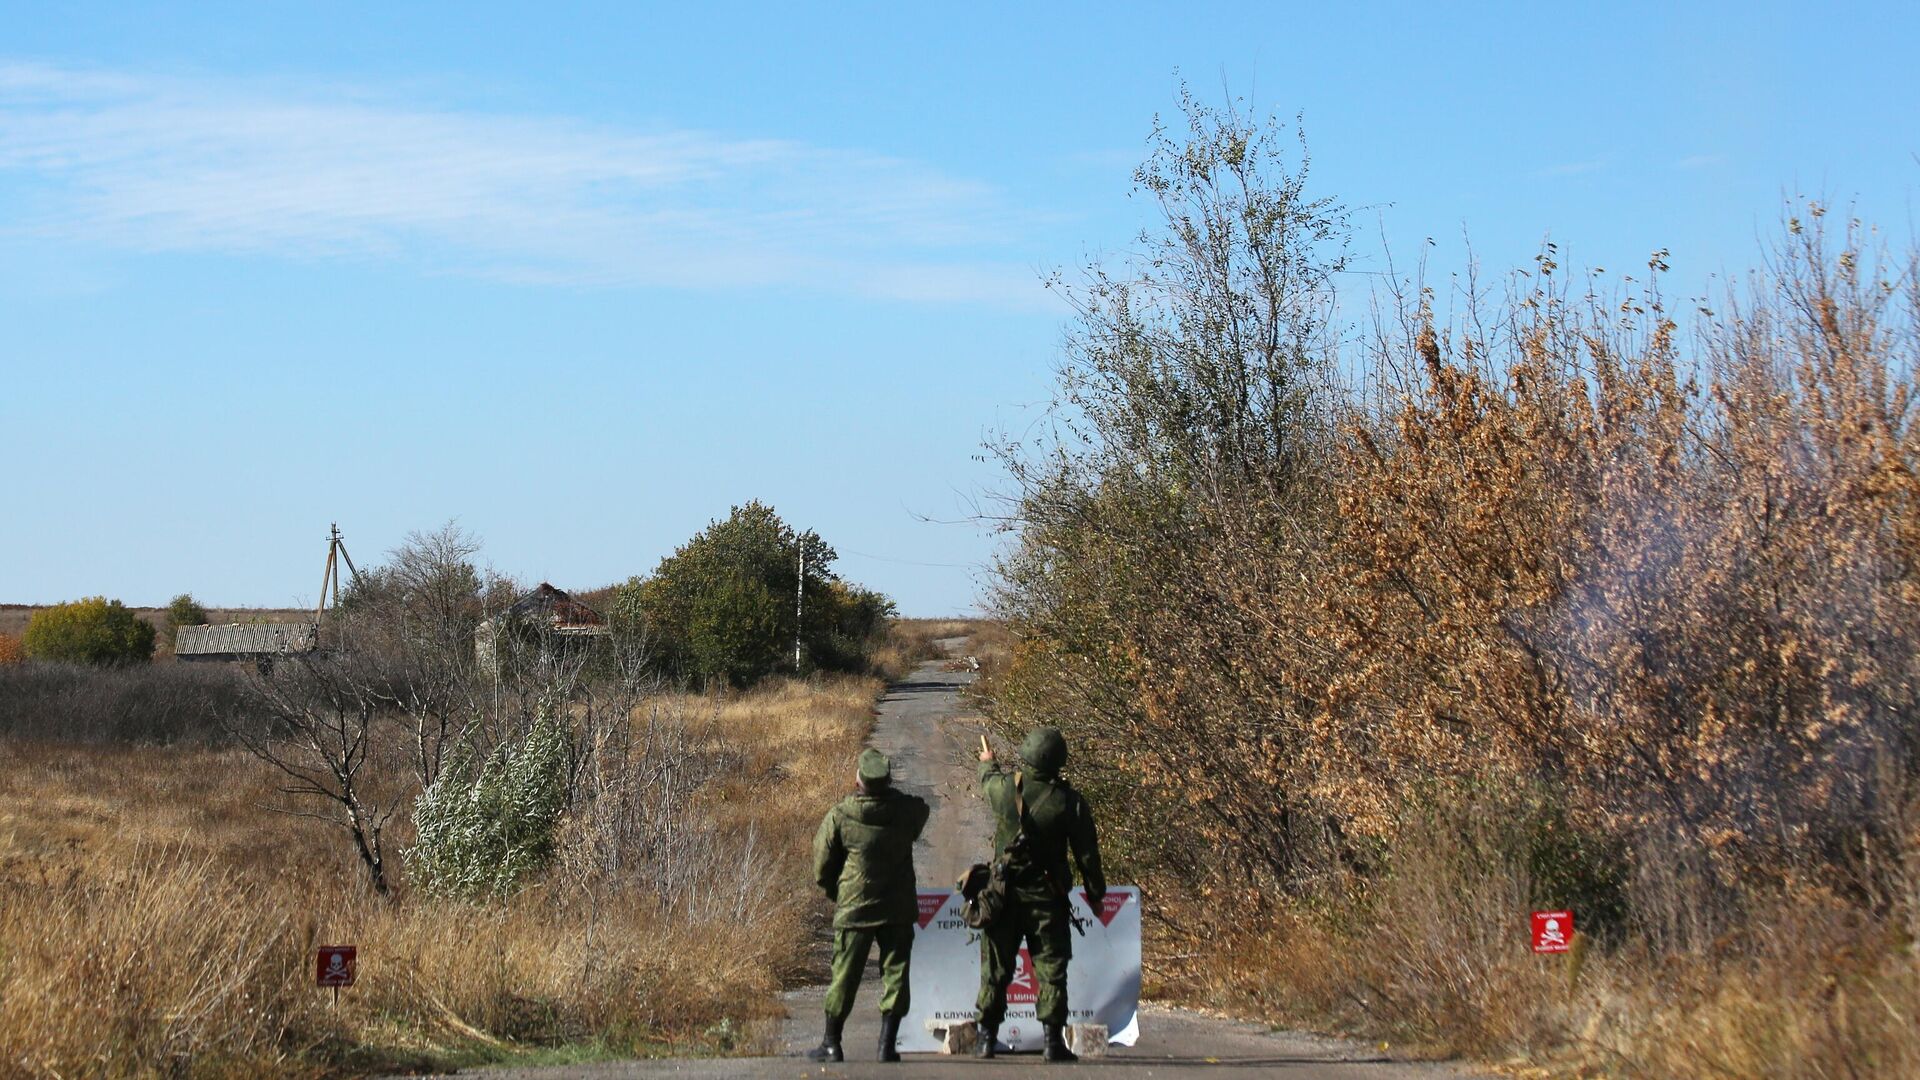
pixel 1024 989
pixel 1110 906
pixel 334 965
pixel 1552 931
pixel 930 905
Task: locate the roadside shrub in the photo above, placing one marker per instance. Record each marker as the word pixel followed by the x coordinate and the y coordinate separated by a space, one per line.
pixel 10 651
pixel 1552 600
pixel 485 826
pixel 91 631
pixel 853 621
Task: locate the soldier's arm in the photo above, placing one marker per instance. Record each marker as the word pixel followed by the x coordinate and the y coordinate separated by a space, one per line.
pixel 829 856
pixel 997 788
pixel 1085 841
pixel 990 774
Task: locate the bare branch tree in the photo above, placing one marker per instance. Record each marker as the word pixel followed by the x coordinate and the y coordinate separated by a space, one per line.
pixel 314 718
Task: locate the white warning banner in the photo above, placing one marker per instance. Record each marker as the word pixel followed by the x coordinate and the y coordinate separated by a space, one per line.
pixel 1103 979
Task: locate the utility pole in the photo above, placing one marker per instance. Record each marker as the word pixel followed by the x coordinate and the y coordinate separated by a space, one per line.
pixel 799 602
pixel 336 551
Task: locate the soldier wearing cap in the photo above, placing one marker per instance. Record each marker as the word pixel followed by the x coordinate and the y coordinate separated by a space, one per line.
pixel 863 860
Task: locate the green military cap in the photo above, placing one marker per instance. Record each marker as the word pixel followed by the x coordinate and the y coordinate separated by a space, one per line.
pixel 874 767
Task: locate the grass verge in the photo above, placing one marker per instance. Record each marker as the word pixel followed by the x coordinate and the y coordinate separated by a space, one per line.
pixel 156 917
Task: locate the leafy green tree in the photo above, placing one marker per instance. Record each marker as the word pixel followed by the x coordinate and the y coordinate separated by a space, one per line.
pixel 90 631
pixel 721 608
pixel 738 628
pixel 1183 485
pixel 184 610
pixel 845 624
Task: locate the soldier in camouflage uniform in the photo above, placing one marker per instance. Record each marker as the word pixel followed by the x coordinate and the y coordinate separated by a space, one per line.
pixel 1057 822
pixel 863 860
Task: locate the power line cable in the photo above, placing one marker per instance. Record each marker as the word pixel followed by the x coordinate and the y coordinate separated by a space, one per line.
pixel 905 562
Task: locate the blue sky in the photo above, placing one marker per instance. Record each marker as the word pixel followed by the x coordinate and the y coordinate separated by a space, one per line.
pixel 584 276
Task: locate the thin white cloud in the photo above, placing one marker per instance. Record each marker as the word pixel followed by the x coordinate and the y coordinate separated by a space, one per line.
pixel 1700 161
pixel 162 164
pixel 1571 168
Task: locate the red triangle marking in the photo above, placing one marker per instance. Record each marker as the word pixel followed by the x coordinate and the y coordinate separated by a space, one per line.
pixel 930 905
pixel 1110 906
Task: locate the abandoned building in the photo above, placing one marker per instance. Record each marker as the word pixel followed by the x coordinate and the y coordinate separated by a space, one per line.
pixel 547 616
pixel 256 642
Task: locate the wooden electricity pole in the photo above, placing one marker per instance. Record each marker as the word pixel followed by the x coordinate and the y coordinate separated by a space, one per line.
pixel 336 554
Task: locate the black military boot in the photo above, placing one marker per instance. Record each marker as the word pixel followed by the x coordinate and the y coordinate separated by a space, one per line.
pixel 829 1048
pixel 988 1033
pixel 889 1033
pixel 1057 1044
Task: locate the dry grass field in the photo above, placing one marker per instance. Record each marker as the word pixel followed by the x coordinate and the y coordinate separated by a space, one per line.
pixel 157 918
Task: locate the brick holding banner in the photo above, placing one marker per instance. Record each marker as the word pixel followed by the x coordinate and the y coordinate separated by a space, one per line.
pixel 1103 980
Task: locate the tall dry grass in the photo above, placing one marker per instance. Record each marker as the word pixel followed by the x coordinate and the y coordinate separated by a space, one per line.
pixel 156 919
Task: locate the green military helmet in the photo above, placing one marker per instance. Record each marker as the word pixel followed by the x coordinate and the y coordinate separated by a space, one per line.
pixel 875 768
pixel 1045 752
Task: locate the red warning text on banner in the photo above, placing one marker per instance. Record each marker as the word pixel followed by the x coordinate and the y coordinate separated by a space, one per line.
pixel 1552 931
pixel 930 905
pixel 1110 906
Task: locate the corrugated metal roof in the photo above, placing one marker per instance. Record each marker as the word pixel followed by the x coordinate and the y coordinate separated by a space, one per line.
pixel 558 610
pixel 246 639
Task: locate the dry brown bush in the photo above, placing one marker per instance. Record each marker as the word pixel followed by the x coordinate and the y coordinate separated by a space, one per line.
pixel 10 652
pixel 154 919
pixel 1641 593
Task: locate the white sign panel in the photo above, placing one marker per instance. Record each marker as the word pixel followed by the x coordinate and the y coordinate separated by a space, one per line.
pixel 1103 979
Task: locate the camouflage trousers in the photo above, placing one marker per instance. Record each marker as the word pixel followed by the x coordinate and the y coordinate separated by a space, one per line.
pixel 850 949
pixel 1046 928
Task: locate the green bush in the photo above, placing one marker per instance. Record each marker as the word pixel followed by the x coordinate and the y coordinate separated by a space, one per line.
pixel 721 608
pixel 91 631
pixel 484 827
pixel 184 610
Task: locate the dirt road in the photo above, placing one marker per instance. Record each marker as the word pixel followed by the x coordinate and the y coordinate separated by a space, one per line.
pixel 933 741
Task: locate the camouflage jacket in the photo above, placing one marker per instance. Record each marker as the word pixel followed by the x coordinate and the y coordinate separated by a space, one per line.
pixel 863 858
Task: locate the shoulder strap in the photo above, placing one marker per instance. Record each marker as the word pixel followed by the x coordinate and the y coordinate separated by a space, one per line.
pixel 1020 807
